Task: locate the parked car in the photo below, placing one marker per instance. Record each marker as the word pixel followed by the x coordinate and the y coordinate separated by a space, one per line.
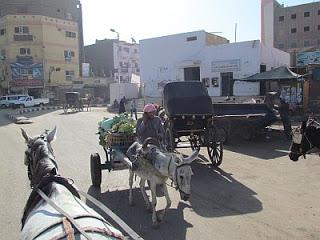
pixel 29 101
pixel 10 100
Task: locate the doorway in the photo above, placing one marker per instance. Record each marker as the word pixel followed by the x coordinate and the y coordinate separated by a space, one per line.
pixel 192 74
pixel 227 82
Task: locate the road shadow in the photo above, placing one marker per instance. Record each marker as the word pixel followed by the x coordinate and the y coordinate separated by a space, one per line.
pixel 266 146
pixel 216 193
pixel 174 226
pixel 4 119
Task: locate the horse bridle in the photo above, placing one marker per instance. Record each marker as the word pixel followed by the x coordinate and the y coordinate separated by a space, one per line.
pixel 178 187
pixel 30 154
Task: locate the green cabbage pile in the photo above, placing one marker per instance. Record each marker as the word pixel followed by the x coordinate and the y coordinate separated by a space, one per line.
pixel 118 124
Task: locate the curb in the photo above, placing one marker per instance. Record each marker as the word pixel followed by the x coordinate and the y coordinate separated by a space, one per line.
pixel 37 109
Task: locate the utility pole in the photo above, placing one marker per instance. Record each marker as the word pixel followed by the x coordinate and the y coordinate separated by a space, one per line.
pixel 235 32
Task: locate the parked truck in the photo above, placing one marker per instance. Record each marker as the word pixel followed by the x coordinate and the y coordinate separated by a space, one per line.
pixel 30 101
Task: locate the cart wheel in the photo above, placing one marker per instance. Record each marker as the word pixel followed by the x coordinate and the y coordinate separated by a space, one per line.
pixel 215 152
pixel 95 167
pixel 168 140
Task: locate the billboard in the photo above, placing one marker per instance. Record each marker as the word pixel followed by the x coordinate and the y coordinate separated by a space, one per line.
pixel 306 58
pixel 25 72
pixel 226 66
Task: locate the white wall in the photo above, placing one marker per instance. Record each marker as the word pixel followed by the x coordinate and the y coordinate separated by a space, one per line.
pixel 118 90
pixel 164 59
pixel 267 22
pixel 274 57
pixel 160 59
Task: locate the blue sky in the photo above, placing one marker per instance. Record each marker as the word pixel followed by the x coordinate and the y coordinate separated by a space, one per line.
pixel 143 19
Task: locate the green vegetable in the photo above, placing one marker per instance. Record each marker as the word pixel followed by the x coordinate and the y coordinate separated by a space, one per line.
pixel 119 124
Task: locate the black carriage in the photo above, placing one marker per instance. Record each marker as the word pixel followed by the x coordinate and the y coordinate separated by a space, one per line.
pixel 73 102
pixel 190 119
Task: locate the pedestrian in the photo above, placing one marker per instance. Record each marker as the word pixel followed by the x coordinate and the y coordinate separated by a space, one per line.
pixel 122 107
pixel 284 111
pixel 134 108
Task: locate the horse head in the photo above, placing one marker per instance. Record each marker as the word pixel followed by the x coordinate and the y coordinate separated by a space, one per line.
pixel 183 173
pixel 304 139
pixel 39 156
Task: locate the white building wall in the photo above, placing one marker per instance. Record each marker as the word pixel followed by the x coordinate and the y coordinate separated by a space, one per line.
pixel 267 22
pixel 161 59
pixel 126 60
pixel 273 57
pixel 164 59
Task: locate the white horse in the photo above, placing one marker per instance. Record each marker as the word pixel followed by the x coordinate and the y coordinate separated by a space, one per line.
pixel 156 167
pixel 57 212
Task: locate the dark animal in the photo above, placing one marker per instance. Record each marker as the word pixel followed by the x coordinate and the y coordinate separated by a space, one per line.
pixel 305 140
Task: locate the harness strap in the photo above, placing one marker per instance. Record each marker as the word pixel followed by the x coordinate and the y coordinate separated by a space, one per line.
pixel 61 211
pixel 39 233
pixel 102 231
pixel 68 229
pixel 113 216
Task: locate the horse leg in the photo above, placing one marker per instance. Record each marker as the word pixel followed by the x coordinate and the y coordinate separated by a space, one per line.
pixel 144 194
pixel 166 194
pixel 155 223
pixel 130 190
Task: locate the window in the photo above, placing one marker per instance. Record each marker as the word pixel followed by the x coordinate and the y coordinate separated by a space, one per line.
pixel 68 16
pixel 21 29
pixel 3 53
pixel 281 18
pixel 135 50
pixel 69 75
pixel 2 32
pixel 306 29
pixel 68 54
pixel 318 42
pixel 71 34
pixel 263 68
pixel 318 12
pixel 194 38
pixel 306 14
pixel 293 16
pixel 126 49
pixel 319 27
pixel 23 38
pixel 293 30
pixel 281 46
pixel 25 51
pixel 294 45
pixel 306 43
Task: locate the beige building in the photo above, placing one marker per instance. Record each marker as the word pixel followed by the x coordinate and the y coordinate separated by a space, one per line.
pixel 293 29
pixel 41 47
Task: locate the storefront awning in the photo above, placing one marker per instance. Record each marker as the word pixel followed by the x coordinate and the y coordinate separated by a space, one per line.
pixel 280 73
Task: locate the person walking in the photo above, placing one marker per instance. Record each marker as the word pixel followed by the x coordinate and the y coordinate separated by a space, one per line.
pixel 285 118
pixel 122 107
pixel 134 109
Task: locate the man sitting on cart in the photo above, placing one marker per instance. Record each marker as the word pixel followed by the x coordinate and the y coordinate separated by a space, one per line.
pixel 150 125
